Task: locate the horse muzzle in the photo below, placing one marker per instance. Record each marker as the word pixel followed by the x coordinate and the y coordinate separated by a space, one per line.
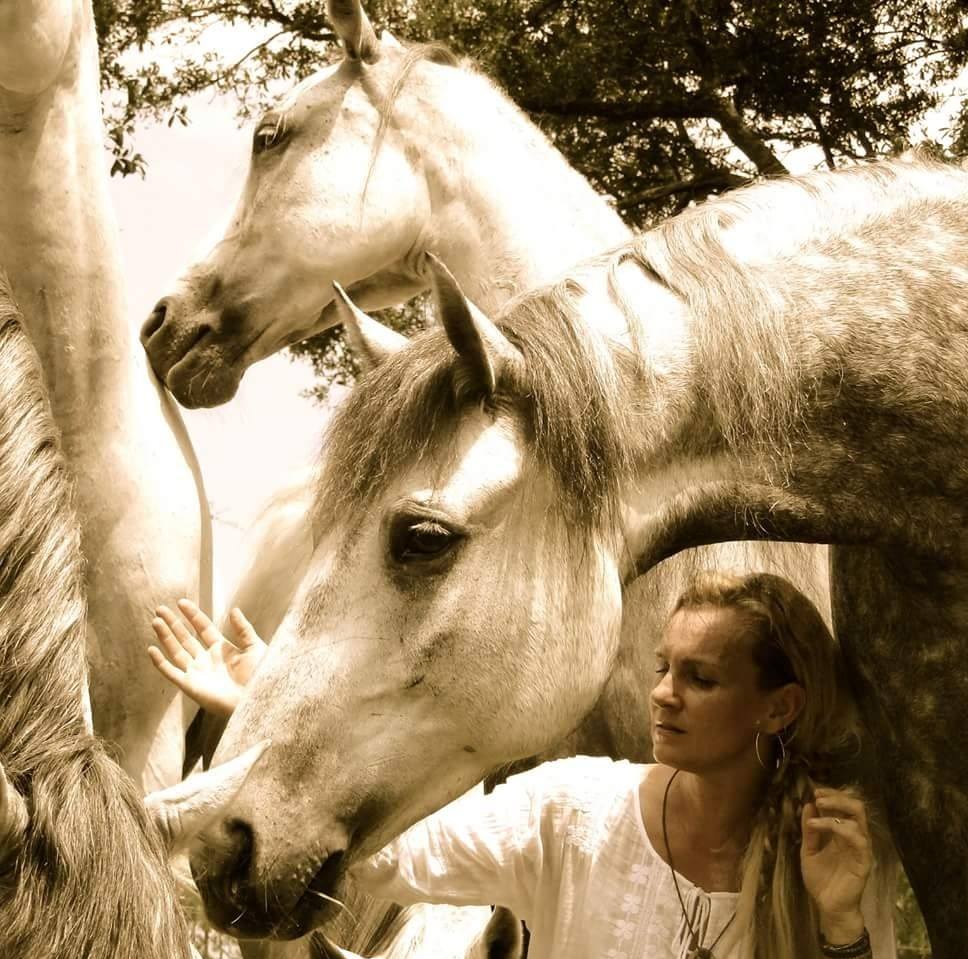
pixel 291 902
pixel 192 354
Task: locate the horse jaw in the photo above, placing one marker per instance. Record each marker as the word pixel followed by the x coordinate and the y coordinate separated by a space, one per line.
pixel 182 811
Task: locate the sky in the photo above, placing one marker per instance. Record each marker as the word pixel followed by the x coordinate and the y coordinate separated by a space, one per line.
pixel 194 176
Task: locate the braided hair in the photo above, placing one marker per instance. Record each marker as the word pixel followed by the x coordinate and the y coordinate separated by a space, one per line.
pixel 791 644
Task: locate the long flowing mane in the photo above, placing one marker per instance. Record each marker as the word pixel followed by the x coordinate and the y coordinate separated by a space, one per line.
pixel 90 879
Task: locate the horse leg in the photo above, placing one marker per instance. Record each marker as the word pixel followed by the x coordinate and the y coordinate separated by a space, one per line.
pixel 904 630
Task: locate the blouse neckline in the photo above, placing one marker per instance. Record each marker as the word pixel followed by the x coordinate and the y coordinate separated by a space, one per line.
pixel 644 833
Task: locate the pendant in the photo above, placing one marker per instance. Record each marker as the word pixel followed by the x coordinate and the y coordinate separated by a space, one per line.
pixel 700 953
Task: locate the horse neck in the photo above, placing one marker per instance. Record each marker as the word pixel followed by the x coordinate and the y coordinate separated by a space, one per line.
pixel 508 212
pixel 58 241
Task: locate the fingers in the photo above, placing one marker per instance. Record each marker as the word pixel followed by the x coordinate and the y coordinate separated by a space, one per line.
pixel 840 804
pixel 174 639
pixel 207 631
pixel 243 632
pixel 175 676
pixel 834 813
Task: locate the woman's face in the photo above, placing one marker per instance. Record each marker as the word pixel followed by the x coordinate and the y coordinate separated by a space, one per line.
pixel 707 699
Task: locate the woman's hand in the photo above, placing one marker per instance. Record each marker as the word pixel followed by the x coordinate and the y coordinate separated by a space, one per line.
pixel 835 860
pixel 200 661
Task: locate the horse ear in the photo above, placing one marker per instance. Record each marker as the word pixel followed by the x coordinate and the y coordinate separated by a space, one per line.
pixel 13 818
pixel 353 27
pixel 182 811
pixel 487 352
pixel 370 341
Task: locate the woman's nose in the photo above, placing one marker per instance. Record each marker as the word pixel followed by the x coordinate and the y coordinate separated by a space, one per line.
pixel 664 692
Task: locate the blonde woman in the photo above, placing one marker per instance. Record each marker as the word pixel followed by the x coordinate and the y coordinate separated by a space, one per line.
pixel 728 847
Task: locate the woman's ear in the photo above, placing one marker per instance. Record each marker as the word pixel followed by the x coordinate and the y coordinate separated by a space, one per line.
pixel 786 703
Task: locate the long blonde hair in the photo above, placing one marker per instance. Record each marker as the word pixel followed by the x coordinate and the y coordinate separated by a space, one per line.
pixel 791 643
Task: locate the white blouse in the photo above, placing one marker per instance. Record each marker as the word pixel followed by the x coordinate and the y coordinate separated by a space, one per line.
pixel 565 848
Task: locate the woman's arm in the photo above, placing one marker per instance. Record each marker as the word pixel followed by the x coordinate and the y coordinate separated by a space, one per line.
pixel 479 850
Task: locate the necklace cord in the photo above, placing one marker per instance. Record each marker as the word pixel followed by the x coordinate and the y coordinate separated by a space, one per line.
pixel 697 949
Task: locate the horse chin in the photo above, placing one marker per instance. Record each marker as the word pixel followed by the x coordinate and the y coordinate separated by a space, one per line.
pixel 203 381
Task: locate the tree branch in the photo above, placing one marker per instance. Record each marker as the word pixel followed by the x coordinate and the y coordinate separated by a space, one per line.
pixel 705 183
pixel 652 109
pixel 746 139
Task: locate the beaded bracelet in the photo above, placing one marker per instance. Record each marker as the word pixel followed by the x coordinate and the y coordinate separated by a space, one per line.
pixel 858 949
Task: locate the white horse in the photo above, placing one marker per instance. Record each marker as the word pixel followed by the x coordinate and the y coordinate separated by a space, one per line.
pixel 145 532
pixel 488 490
pixel 357 174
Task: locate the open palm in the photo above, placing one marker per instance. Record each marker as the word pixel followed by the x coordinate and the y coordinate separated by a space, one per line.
pixel 205 665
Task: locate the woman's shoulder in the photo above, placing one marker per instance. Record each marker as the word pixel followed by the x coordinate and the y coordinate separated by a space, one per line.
pixel 584 771
pixel 580 783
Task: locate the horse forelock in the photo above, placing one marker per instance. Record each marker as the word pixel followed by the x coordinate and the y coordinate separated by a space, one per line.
pixel 408 410
pixel 87 828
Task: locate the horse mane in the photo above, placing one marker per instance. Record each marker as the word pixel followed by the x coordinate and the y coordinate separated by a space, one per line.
pixel 406 410
pixel 759 297
pixel 90 878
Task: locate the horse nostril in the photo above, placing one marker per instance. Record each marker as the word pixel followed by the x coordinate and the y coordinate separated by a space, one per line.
pixel 241 845
pixel 154 322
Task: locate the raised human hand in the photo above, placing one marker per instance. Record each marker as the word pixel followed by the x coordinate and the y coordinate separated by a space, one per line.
pixel 205 665
pixel 835 860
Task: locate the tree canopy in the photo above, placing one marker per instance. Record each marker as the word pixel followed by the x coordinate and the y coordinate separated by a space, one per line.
pixel 658 103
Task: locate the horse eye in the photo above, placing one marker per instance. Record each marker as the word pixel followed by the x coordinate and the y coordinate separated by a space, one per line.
pixel 266 137
pixel 416 540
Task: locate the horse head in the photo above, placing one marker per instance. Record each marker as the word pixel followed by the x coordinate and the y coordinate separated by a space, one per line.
pixel 462 608
pixel 364 168
pixel 333 193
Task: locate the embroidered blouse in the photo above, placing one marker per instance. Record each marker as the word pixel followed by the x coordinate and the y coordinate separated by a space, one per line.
pixel 565 848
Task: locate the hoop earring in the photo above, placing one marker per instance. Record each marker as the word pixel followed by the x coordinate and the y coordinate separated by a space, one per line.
pixel 756 746
pixel 780 761
pixel 782 758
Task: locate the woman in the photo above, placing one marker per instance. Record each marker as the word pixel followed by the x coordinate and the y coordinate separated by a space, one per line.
pixel 725 848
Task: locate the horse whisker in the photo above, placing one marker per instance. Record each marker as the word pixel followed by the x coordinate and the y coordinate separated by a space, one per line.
pixel 342 905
